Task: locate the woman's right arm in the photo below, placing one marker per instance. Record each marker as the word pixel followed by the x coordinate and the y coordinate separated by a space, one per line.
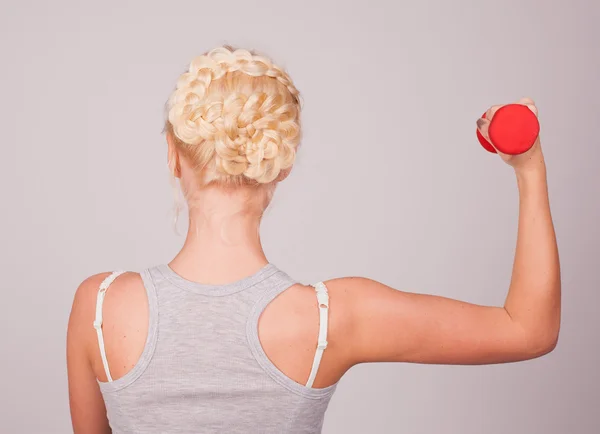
pixel 390 325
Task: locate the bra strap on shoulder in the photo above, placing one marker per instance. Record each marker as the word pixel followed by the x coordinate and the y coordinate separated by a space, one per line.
pixel 98 320
pixel 323 299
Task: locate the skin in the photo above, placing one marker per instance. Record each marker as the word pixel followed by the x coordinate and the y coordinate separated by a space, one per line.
pixel 368 321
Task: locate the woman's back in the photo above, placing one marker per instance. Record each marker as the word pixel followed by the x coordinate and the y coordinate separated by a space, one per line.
pixel 188 357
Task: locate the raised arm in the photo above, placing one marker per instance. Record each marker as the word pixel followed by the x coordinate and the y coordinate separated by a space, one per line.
pixel 391 325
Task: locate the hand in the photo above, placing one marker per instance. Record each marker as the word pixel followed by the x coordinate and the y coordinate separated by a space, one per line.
pixel 531 159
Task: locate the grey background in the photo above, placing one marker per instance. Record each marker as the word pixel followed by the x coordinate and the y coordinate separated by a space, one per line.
pixel 390 182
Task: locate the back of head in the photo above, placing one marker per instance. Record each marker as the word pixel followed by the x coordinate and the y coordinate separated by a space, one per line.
pixel 235 118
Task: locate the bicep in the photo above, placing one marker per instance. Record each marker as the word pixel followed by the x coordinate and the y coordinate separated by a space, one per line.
pixel 88 413
pixel 389 325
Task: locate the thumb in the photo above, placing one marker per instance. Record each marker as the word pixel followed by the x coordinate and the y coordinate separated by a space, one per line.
pixel 483 125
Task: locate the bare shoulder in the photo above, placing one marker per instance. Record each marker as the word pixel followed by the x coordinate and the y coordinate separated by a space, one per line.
pixel 83 307
pixel 300 302
pixel 126 286
pixel 349 288
pixel 124 296
pixel 84 364
pixel 288 330
pixel 124 311
pixel 351 297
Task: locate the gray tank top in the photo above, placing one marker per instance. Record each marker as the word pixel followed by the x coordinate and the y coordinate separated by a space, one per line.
pixel 203 369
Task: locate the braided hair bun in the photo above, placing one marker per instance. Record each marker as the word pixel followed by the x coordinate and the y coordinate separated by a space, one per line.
pixel 236 117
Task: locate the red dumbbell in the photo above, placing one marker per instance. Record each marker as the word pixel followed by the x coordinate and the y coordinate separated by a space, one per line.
pixel 513 130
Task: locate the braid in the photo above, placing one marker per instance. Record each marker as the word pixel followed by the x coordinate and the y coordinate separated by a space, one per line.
pixel 242 110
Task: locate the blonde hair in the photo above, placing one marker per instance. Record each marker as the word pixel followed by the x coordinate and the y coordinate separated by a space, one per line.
pixel 235 117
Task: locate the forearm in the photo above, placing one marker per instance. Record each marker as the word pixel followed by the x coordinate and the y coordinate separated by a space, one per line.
pixel 533 299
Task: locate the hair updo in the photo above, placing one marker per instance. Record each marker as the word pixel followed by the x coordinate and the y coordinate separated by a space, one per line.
pixel 235 117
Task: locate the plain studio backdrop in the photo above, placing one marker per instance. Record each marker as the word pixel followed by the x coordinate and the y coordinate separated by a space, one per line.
pixel 390 182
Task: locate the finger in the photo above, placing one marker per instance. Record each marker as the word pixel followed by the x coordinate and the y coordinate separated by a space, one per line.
pixel 526 101
pixel 483 126
pixel 530 104
pixel 492 111
pixel 532 108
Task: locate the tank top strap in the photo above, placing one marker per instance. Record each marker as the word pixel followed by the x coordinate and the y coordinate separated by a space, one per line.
pixel 98 319
pixel 323 300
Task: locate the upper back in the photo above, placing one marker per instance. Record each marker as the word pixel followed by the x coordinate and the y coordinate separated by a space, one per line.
pixel 186 356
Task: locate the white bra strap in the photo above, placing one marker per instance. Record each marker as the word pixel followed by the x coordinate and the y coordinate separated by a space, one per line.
pixel 98 321
pixel 323 299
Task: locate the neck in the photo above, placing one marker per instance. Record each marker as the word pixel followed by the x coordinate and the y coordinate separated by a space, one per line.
pixel 223 238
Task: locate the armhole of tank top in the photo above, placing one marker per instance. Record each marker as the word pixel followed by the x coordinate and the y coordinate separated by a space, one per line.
pixel 263 360
pixel 150 344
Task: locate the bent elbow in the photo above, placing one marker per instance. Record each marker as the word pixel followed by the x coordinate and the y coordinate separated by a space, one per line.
pixel 542 344
pixel 548 346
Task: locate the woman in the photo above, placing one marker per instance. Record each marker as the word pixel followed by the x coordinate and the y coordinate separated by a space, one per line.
pixel 220 339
